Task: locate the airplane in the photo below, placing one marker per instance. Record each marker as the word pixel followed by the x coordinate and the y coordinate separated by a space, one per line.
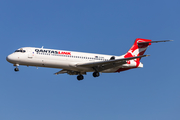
pixel 79 63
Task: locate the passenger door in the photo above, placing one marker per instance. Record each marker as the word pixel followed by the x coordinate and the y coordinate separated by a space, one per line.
pixel 30 54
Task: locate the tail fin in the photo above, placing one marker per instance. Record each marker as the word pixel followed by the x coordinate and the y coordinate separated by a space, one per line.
pixel 139 47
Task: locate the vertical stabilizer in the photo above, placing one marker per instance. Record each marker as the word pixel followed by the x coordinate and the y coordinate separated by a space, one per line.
pixel 139 47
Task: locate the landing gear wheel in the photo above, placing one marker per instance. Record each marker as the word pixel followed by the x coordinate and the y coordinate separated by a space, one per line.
pixel 80 77
pixel 96 74
pixel 16 69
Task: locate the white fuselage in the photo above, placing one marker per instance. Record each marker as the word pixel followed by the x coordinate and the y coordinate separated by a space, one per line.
pixel 41 57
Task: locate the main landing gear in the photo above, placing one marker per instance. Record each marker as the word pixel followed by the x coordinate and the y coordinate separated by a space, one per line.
pixel 95 74
pixel 80 77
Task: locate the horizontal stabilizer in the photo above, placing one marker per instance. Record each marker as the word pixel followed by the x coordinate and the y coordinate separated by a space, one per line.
pixel 155 41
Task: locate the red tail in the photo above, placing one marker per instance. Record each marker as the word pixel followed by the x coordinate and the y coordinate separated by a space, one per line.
pixel 139 48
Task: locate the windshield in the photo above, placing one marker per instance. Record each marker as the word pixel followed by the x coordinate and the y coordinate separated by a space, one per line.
pixel 23 51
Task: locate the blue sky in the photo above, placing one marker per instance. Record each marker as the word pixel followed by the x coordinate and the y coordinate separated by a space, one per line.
pixel 97 26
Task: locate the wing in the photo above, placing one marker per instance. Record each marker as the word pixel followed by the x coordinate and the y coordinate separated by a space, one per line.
pixel 70 72
pixel 61 72
pixel 110 63
pixel 103 65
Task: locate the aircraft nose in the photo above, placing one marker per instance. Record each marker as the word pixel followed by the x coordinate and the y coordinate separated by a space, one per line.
pixel 10 58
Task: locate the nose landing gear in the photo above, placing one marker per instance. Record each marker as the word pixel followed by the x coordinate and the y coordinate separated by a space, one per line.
pixel 16 69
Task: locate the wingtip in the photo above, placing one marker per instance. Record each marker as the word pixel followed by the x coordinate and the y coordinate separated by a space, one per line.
pixel 161 41
pixel 168 40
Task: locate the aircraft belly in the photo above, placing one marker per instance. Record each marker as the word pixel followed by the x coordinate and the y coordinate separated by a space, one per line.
pixel 31 62
pixel 55 63
pixel 73 66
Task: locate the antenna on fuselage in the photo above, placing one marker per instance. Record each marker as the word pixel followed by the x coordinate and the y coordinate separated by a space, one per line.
pixel 42 47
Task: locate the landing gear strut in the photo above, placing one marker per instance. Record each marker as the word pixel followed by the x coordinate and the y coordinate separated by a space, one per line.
pixel 80 77
pixel 95 74
pixel 16 69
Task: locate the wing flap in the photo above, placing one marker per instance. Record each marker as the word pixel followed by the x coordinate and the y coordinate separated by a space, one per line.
pixel 70 72
pixel 61 72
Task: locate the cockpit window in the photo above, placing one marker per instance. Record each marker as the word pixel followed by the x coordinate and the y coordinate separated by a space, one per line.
pixel 23 51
